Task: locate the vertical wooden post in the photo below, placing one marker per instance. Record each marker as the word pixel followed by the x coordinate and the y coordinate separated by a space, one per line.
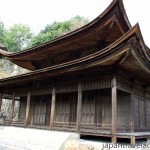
pixel 144 109
pixel 52 108
pixel 148 140
pixel 79 105
pixel 1 98
pixel 27 108
pixel 132 139
pixel 114 109
pixel 12 108
pixel 132 109
pixel 32 111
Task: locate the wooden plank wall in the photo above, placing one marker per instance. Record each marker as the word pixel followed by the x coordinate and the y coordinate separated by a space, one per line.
pixel 106 109
pixel 148 114
pixel 65 102
pixel 23 104
pixel 41 109
pixel 139 113
pixel 123 111
pixel 147 96
pixel 88 107
pixel 96 107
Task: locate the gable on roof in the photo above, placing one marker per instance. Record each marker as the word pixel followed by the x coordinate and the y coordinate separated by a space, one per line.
pixel 99 33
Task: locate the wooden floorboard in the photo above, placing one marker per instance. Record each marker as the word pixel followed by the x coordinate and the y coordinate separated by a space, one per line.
pixel 137 135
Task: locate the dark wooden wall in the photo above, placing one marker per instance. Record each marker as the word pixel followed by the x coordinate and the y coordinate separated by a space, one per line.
pixel 147 97
pixel 138 112
pixel 22 111
pixel 41 109
pixel 96 107
pixel 148 114
pixel 123 111
pixel 66 107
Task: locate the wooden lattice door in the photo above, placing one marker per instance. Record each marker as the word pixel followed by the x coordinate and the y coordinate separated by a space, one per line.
pixel 62 108
pixel 65 109
pixel 40 110
pixel 88 108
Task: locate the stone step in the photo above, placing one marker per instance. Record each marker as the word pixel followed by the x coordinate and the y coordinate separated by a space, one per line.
pixel 17 138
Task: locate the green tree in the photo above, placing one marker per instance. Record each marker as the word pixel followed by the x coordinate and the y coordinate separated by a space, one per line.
pixel 17 37
pixel 77 22
pixel 2 32
pixel 50 32
pixel 57 29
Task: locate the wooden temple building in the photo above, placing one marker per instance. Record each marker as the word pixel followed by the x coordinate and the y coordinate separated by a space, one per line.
pixel 94 80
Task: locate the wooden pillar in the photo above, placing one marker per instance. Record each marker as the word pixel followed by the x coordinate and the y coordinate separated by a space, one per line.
pixel 12 108
pixel 32 112
pixel 114 110
pixel 144 109
pixel 132 108
pixel 52 108
pixel 132 140
pixel 148 140
pixel 27 108
pixel 1 98
pixel 79 106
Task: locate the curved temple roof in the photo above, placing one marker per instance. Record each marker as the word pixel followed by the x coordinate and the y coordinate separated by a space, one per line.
pixel 128 52
pixel 101 32
pixel 121 46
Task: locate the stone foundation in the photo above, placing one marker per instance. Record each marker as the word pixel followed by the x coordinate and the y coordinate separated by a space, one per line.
pixel 33 139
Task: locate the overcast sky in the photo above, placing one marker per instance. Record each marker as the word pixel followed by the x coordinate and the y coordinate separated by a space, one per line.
pixel 38 13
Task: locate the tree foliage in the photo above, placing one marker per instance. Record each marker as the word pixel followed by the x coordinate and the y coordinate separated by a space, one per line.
pixel 57 29
pixel 19 36
pixel 2 32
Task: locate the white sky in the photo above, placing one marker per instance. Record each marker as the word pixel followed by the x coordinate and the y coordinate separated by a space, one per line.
pixel 38 13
